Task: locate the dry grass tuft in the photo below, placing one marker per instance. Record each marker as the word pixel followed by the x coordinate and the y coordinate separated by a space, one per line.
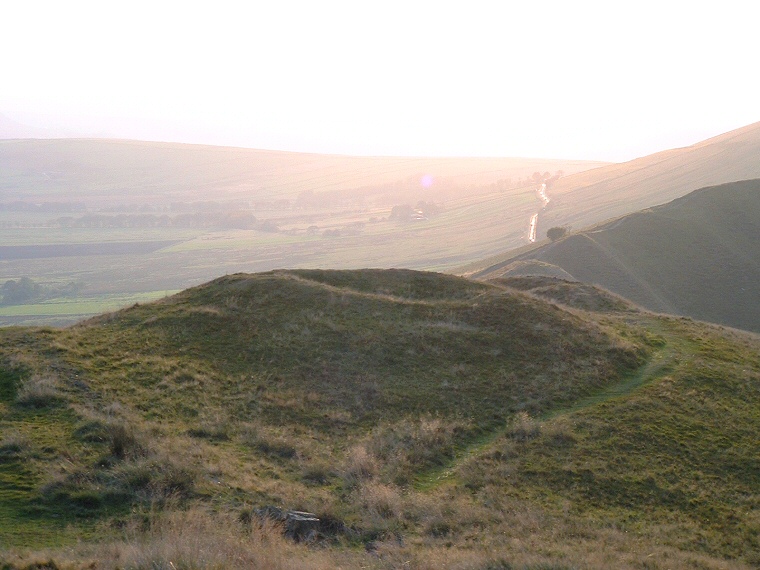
pixel 197 539
pixel 524 427
pixel 39 391
pixel 379 500
pixel 267 441
pixel 559 432
pixel 13 446
pixel 406 448
pixel 360 465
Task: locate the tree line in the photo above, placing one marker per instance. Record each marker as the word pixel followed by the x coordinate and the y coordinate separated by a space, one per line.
pixel 26 290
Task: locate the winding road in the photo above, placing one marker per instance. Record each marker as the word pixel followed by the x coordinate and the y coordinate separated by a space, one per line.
pixel 541 191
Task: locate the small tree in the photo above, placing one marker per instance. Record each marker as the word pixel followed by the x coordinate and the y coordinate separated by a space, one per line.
pixel 401 213
pixel 18 292
pixel 556 233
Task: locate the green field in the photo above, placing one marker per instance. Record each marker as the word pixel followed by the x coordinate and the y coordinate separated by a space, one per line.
pixel 67 311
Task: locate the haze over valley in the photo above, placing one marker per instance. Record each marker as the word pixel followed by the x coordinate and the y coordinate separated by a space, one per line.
pixel 127 220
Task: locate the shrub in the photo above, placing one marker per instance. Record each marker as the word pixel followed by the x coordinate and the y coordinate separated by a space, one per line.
pixel 360 465
pixel 556 233
pixel 524 427
pixel 408 447
pixel 39 392
pixel 13 446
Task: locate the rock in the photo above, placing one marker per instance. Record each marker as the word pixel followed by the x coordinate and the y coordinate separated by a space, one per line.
pixel 299 526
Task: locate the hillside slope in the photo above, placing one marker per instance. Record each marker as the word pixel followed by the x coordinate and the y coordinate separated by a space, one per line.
pixel 434 421
pixel 611 191
pixel 698 256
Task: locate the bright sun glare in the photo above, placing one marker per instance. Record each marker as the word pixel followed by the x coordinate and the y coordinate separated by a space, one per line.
pixel 594 80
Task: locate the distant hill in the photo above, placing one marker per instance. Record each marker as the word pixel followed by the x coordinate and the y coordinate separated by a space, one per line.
pixel 521 423
pixel 102 172
pixel 611 191
pixel 698 255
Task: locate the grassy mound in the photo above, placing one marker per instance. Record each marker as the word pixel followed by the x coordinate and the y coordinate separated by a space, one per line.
pixel 414 413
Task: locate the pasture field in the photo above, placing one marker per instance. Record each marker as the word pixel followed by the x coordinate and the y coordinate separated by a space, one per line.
pixel 132 225
pixel 63 311
pixel 131 262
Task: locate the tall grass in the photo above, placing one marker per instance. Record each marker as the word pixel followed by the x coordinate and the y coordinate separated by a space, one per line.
pixel 197 539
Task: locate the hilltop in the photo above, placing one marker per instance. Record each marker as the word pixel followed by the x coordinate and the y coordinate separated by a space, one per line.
pixel 412 412
pixel 696 256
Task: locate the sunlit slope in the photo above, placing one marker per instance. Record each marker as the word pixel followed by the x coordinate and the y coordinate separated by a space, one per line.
pixel 698 256
pixel 114 171
pixel 612 191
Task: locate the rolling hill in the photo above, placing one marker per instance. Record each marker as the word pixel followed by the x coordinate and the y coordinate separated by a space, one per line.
pixel 698 255
pixel 590 197
pixel 106 172
pixel 429 421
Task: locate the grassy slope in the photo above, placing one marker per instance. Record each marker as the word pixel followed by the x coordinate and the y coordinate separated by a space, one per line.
pixel 609 192
pixel 695 256
pixel 676 459
pixel 350 342
pixel 594 196
pixel 351 393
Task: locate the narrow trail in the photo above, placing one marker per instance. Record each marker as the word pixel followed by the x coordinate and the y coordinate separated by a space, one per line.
pixel 659 364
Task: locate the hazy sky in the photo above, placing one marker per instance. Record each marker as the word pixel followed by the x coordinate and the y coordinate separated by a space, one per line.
pixel 567 79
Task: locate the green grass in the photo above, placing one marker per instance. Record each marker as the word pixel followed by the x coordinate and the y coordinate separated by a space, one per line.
pixel 476 422
pixel 79 306
pixel 68 310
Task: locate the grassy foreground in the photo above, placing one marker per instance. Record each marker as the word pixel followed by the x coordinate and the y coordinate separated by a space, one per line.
pixel 430 422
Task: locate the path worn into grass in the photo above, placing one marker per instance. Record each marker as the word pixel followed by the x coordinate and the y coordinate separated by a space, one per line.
pixel 660 363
